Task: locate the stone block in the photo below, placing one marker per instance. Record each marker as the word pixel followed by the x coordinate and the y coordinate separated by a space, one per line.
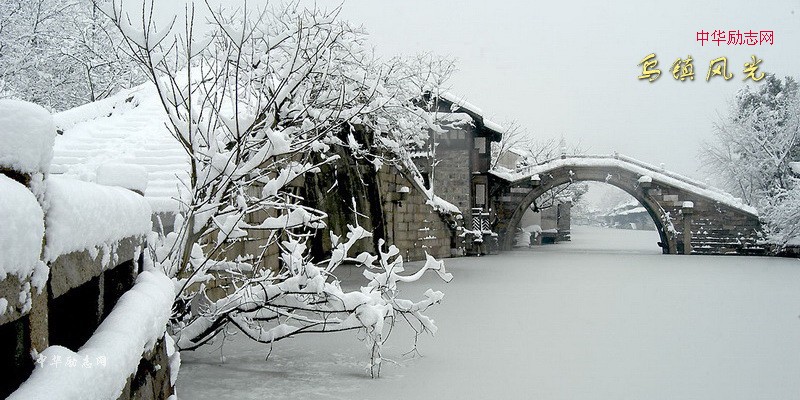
pixel 71 270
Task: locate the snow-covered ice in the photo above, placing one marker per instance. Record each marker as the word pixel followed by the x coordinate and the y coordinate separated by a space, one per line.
pixel 567 321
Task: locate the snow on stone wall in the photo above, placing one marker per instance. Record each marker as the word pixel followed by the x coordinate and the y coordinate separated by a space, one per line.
pixel 104 364
pixel 27 132
pixel 21 232
pixel 84 216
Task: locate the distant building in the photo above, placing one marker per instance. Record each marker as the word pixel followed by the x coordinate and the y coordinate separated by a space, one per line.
pixel 629 215
pixel 548 225
pixel 509 159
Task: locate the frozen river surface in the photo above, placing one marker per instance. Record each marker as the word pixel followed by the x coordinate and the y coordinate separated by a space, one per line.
pixel 603 317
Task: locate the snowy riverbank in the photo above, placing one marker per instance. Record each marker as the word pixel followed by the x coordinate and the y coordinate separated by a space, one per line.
pixel 568 321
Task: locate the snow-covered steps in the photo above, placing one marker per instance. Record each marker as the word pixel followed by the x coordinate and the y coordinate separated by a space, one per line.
pixel 128 128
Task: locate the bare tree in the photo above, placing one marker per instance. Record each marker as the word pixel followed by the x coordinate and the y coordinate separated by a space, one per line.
pixel 257 101
pixel 518 141
pixel 61 54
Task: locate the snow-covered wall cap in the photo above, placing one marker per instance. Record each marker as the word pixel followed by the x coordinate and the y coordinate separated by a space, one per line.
pixel 84 216
pixel 27 133
pixel 128 176
pixel 21 230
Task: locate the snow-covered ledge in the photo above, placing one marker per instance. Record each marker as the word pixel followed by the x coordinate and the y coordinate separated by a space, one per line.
pixel 104 364
pixel 58 234
pixel 91 226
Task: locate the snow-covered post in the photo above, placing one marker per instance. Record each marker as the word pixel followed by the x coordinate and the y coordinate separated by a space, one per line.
pixel 687 209
pixel 27 133
pixel 645 182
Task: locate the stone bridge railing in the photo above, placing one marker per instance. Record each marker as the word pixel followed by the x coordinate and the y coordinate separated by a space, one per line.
pixel 79 318
pixel 527 170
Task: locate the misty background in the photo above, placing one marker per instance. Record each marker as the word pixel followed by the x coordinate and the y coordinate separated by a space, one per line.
pixel 570 68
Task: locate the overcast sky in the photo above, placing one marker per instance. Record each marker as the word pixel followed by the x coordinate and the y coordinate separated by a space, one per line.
pixel 570 67
pixel 563 67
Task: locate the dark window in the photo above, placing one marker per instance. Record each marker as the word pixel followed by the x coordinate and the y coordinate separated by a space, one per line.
pixel 426 180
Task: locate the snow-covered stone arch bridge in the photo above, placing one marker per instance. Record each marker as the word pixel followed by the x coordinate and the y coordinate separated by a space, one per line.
pixel 691 217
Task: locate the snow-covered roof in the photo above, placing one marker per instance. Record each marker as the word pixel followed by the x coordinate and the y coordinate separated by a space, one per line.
pixel 517 151
pixel 630 164
pixel 635 210
pixel 489 124
pixel 459 103
pixel 127 128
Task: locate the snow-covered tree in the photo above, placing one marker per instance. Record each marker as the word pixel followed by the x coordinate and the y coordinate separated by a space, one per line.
pixel 258 99
pixel 61 53
pixel 517 139
pixel 754 149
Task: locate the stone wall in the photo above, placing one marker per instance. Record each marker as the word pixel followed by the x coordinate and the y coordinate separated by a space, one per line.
pixel 82 289
pixel 451 175
pixel 400 218
pixel 411 224
pixel 151 381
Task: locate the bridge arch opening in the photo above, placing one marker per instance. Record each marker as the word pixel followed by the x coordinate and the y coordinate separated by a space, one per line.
pixel 605 218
